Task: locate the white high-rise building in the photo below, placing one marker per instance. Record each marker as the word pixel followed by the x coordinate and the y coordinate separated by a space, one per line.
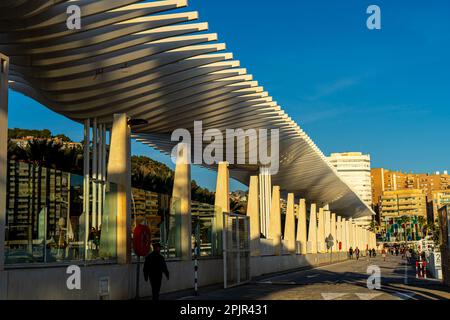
pixel 354 168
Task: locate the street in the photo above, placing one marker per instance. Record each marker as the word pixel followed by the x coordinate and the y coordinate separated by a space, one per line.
pixel 341 281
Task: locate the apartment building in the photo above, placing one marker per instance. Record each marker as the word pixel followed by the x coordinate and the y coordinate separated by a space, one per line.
pixel 354 168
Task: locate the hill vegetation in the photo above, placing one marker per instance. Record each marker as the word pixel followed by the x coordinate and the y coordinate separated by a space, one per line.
pixel 146 173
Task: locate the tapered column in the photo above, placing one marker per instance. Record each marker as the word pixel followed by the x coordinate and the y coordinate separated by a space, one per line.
pixel 348 230
pixel 358 237
pixel 339 232
pixel 4 72
pixel 275 221
pixel 253 213
pixel 312 230
pixel 321 232
pixel 351 242
pixel 333 231
pixel 327 228
pixel 289 228
pixel 301 227
pixel 222 198
pixel 265 198
pixel 367 237
pixel 119 172
pixel 181 203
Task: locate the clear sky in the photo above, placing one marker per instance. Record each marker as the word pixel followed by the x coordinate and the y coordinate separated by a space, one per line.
pixel 383 92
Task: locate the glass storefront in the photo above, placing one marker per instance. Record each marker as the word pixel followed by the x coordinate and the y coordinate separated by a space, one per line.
pixel 45 219
pixel 158 212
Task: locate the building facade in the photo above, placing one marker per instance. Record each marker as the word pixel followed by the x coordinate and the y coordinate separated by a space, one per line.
pixel 403 203
pixel 354 168
pixel 440 198
pixel 435 187
pixel 403 213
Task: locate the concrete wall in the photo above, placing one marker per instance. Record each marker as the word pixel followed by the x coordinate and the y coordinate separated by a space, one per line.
pixel 50 282
pixel 271 264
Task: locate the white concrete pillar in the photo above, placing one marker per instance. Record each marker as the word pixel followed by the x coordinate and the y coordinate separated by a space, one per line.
pixel 275 221
pixel 348 232
pixel 289 228
pixel 312 230
pixel 367 237
pixel 327 226
pixel 339 231
pixel 222 197
pixel 4 72
pixel 333 232
pixel 119 172
pixel 253 213
pixel 265 199
pixel 321 232
pixel 181 203
pixel 301 227
pixel 351 243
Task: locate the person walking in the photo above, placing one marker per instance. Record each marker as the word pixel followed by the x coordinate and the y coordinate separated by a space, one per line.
pixel 408 256
pixel 154 267
pixel 357 253
pixel 383 254
pixel 350 252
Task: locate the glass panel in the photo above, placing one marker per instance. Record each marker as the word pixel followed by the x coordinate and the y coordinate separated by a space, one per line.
pixel 45 220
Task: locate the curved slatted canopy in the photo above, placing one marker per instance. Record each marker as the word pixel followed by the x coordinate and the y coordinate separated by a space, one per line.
pixel 156 62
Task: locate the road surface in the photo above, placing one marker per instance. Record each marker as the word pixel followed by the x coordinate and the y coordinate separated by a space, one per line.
pixel 341 281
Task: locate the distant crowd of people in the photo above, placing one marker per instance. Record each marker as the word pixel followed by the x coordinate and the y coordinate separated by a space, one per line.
pixel 357 253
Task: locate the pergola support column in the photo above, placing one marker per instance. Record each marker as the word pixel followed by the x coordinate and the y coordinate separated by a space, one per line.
pixel 4 72
pixel 181 202
pixel 119 172
pixel 222 197
pixel 289 228
pixel 301 228
pixel 333 232
pixel 275 221
pixel 327 228
pixel 321 232
pixel 347 226
pixel 339 232
pixel 312 230
pixel 265 198
pixel 253 213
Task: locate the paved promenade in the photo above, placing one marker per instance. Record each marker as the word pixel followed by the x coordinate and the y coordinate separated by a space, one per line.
pixel 342 281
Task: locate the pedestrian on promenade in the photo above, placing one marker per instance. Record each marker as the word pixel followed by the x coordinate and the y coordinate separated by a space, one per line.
pixel 154 267
pixel 408 256
pixel 383 254
pixel 374 254
pixel 357 253
pixel 350 252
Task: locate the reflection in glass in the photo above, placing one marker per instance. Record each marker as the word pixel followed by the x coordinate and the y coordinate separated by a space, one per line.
pixel 45 220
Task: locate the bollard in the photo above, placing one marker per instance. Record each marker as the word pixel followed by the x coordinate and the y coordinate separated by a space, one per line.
pixel 424 270
pixel 196 253
pixel 417 269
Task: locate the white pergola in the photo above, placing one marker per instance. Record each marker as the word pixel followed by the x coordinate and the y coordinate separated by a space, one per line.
pixel 152 61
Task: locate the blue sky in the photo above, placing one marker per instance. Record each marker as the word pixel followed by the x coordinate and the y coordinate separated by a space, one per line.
pixel 383 92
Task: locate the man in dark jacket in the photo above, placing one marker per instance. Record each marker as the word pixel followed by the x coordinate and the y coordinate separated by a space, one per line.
pixel 154 267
